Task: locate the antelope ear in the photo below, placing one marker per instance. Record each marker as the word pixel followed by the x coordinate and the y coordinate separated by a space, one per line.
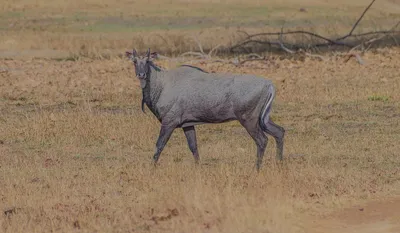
pixel 154 55
pixel 148 54
pixel 129 54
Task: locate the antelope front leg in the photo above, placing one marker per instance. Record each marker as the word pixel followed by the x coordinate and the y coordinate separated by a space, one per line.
pixel 165 134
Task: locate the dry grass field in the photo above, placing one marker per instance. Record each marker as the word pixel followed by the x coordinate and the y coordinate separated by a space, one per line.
pixel 75 148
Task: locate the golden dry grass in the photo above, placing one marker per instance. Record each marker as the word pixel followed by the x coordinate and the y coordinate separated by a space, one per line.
pixel 76 150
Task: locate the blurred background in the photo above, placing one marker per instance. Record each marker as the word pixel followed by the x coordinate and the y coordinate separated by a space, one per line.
pixel 103 28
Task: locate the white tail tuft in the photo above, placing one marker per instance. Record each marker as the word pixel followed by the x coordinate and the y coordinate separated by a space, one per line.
pixel 264 116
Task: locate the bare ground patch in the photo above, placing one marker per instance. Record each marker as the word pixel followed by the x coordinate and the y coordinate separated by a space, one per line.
pixel 373 216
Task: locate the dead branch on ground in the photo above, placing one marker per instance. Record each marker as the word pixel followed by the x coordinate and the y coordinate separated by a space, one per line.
pixel 297 49
pixel 342 41
pixel 357 22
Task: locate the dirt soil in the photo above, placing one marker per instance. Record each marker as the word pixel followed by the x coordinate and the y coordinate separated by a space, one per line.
pixel 375 216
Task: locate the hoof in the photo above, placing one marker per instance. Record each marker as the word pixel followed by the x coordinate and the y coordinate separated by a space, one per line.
pixel 154 163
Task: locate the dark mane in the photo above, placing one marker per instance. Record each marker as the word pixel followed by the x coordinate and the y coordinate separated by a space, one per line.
pixel 197 68
pixel 157 69
pixel 155 66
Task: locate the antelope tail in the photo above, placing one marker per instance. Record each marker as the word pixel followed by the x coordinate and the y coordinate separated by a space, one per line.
pixel 264 115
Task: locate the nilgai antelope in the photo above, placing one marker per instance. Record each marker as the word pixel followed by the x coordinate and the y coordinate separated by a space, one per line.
pixel 187 96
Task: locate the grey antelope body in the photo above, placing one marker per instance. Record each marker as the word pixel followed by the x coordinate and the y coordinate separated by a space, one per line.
pixel 188 96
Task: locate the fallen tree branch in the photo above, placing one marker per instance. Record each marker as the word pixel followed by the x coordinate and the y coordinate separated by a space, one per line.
pixel 330 41
pixel 256 41
pixel 322 58
pixel 197 54
pixel 254 59
pixel 324 41
pixel 201 54
pixel 357 22
pixel 214 49
pixel 247 34
pixel 370 41
pixel 376 33
pixel 255 55
pixel 198 44
pixel 356 55
pixel 281 43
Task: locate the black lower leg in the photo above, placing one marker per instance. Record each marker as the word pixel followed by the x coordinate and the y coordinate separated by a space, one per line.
pixel 259 138
pixel 165 134
pixel 261 145
pixel 190 134
pixel 278 133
